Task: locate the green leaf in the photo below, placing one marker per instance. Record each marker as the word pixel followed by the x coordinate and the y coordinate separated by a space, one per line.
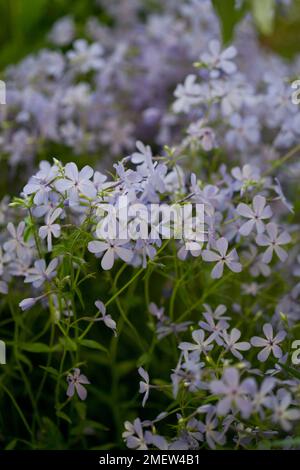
pixel 36 347
pixel 63 416
pixel 50 371
pixel 21 357
pixel 12 444
pixel 68 344
pixel 264 14
pixel 95 425
pixel 91 344
pixel 291 371
pixel 229 16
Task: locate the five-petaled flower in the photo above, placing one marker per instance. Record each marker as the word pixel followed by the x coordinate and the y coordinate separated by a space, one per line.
pixel 111 250
pixel 256 215
pixel 222 258
pixel 75 382
pixel 273 241
pixel 269 343
pixel 234 393
pixel 201 344
pixel 77 182
pixel 41 273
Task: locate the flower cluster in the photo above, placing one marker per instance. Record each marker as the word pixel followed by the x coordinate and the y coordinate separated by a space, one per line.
pixel 207 322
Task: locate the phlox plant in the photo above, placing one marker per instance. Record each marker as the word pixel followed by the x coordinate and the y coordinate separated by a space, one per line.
pixel 211 346
pixel 158 342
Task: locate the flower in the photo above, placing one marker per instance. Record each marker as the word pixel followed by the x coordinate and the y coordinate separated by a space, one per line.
pixel 259 212
pixel 261 397
pixel 273 241
pixel 144 386
pixel 134 435
pixel 231 343
pixel 244 132
pixel 222 258
pixel 75 382
pixel 40 184
pixel 86 57
pixel 40 273
pixel 219 61
pixel 202 344
pixel 144 154
pixel 107 319
pixel 112 250
pixel 16 243
pixel 213 326
pixel 282 414
pixel 212 435
pixel 188 94
pixel 269 344
pixel 27 304
pixel 77 182
pixel 50 229
pixel 234 393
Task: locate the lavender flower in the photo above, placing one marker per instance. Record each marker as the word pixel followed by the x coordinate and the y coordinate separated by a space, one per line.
pixel 134 435
pixel 219 61
pixel 282 414
pixel 232 344
pixel 222 258
pixel 256 215
pixel 107 319
pixel 40 273
pixel 273 241
pixel 233 392
pixel 85 57
pixel 75 382
pixel 202 345
pixel 144 386
pixel 50 229
pixel 111 250
pixel 269 344
pixel 77 182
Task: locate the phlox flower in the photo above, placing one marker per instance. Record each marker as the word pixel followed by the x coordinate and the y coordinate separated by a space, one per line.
pixel 75 382
pixel 77 182
pixel 218 60
pixel 201 344
pixel 222 258
pixel 273 240
pixel 107 319
pixel 41 273
pixel 270 343
pixel 256 215
pixel 233 392
pixel 282 413
pixel 111 250
pixel 50 228
pixel 232 343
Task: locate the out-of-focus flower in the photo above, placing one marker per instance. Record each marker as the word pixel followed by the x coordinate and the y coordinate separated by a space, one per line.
pixel 234 393
pixel 41 273
pixel 273 240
